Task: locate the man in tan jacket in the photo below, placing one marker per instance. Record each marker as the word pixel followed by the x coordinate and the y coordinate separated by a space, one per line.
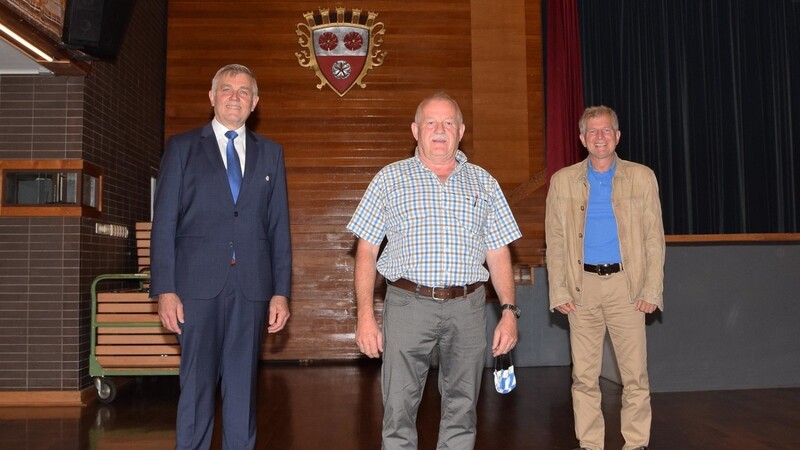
pixel 605 262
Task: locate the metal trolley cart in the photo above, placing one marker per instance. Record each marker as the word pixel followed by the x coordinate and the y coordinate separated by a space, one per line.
pixel 127 338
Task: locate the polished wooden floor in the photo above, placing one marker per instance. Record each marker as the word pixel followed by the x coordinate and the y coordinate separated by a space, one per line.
pixel 338 407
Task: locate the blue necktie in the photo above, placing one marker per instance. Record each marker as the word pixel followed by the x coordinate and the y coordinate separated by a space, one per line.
pixel 234 166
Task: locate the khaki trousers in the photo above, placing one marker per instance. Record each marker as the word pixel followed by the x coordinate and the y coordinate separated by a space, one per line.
pixel 606 306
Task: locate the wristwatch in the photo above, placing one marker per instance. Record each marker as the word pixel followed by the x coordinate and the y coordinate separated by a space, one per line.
pixel 513 308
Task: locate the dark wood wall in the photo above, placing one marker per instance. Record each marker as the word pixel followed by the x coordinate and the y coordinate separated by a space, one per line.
pixel 487 57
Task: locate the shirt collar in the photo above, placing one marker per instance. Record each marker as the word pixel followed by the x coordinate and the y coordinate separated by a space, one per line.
pixel 608 173
pixel 220 130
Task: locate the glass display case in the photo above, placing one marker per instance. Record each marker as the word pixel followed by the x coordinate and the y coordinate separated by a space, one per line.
pixel 50 188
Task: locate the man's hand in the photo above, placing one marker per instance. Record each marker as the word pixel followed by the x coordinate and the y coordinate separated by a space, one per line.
pixel 644 307
pixel 170 311
pixel 369 337
pixel 505 334
pixel 566 308
pixel 278 313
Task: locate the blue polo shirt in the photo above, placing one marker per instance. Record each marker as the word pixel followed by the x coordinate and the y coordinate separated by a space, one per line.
pixel 601 243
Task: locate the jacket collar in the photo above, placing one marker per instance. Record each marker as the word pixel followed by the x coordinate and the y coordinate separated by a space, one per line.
pixel 583 169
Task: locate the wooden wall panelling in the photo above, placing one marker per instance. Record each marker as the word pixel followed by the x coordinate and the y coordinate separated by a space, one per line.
pixel 529 207
pixel 509 112
pixel 499 90
pixel 333 145
pixel 534 47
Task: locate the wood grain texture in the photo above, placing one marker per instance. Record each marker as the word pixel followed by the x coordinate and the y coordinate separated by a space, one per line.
pixel 335 145
pixel 338 406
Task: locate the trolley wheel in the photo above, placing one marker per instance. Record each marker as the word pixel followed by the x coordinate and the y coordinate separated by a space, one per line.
pixel 106 390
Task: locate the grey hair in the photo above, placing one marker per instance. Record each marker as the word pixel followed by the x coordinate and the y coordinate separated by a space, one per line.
pixel 597 111
pixel 235 68
pixel 438 96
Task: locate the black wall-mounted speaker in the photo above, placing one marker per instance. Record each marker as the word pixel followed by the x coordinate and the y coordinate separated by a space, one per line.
pixel 96 27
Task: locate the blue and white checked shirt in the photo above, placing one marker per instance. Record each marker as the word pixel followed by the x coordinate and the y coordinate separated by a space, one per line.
pixel 438 234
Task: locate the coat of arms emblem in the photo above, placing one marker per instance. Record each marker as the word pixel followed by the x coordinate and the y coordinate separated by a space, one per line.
pixel 341 49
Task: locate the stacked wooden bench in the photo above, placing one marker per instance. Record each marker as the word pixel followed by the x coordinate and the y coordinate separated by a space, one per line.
pixel 127 337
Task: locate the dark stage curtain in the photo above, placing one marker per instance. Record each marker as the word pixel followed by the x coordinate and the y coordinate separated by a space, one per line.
pixel 564 89
pixel 708 96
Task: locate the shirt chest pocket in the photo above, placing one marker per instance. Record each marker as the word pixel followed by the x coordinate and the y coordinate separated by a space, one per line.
pixel 471 212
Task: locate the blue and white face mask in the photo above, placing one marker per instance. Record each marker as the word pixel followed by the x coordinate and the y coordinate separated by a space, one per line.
pixel 504 379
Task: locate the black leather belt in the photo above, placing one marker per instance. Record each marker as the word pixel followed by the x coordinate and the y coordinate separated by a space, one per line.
pixel 437 293
pixel 602 269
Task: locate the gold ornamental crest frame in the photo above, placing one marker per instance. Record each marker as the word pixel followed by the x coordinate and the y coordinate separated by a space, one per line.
pixel 334 47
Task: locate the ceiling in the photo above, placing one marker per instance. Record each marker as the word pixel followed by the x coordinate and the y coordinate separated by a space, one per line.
pixel 13 61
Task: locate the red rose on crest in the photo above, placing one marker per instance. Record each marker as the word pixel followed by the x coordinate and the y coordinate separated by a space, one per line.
pixel 353 41
pixel 328 41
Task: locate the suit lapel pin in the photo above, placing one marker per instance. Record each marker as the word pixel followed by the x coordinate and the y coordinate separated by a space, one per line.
pixel 267 178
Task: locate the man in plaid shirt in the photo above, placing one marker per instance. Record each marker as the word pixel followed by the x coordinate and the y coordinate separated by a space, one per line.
pixel 443 218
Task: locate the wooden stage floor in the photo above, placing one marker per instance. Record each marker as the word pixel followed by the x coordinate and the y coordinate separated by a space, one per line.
pixel 338 407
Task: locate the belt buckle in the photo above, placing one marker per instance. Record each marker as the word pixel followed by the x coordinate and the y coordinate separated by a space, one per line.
pixel 606 270
pixel 433 295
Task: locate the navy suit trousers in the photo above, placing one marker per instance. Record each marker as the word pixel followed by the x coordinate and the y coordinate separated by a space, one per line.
pixel 220 343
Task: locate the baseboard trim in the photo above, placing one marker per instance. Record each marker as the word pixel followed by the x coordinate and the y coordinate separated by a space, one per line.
pixel 47 398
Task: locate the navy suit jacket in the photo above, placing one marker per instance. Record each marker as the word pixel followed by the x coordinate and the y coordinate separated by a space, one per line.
pixel 197 226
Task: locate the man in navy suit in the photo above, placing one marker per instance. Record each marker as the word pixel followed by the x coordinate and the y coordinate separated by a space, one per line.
pixel 221 261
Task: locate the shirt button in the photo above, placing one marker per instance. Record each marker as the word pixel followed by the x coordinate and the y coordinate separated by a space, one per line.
pixel 580 235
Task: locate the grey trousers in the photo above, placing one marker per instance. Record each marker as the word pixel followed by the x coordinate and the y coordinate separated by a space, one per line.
pixel 412 328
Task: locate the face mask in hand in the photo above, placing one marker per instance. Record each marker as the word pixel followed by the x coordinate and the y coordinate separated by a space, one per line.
pixel 504 379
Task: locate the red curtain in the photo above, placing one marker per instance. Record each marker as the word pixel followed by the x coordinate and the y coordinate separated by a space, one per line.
pixel 564 88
